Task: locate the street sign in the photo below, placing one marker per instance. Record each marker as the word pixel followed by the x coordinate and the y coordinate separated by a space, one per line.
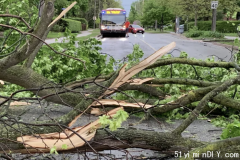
pixel 214 4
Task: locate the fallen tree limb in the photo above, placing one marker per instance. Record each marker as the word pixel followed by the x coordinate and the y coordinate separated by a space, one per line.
pixel 203 103
pixel 70 139
pixel 163 62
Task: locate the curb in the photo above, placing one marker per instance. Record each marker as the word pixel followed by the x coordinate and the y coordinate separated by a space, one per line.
pixel 213 41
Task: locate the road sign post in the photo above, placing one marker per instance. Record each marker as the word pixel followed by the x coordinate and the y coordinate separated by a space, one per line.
pixel 64 14
pixel 214 5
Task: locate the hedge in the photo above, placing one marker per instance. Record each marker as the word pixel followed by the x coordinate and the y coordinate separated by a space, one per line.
pixel 82 20
pixel 221 26
pixel 74 26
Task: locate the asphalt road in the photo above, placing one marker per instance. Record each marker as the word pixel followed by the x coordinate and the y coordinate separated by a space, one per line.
pixel 120 47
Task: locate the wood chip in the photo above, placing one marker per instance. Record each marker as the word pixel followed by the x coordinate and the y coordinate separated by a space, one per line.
pixel 96 112
pixel 112 102
pixel 16 103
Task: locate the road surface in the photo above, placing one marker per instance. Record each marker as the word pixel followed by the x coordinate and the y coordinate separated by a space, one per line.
pixel 119 47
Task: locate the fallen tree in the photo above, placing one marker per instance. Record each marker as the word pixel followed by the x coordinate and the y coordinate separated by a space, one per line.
pixel 199 85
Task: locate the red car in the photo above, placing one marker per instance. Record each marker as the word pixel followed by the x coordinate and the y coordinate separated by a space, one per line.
pixel 135 29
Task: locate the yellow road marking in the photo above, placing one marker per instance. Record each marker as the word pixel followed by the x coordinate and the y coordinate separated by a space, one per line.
pixel 148 44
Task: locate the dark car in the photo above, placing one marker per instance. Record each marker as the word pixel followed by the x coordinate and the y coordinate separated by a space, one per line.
pixel 135 29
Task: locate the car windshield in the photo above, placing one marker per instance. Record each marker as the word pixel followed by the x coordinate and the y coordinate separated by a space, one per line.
pixel 113 19
pixel 136 26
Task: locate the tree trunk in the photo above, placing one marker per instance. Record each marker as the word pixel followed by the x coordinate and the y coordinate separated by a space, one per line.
pixel 195 18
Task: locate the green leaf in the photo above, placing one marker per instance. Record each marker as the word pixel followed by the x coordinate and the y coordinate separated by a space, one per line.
pixel 64 146
pixel 104 120
pixel 53 150
pixel 114 125
pixel 236 41
pixel 121 115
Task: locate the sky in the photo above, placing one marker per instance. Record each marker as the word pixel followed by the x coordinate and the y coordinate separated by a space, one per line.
pixel 127 5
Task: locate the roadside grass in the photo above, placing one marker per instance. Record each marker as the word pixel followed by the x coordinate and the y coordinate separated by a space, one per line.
pixel 204 37
pixel 55 34
pixel 157 31
pixel 231 34
pixel 228 43
pixel 94 33
pixel 217 40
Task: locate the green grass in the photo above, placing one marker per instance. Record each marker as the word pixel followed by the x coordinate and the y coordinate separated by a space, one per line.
pixel 231 34
pixel 94 33
pixel 157 31
pixel 228 43
pixel 57 34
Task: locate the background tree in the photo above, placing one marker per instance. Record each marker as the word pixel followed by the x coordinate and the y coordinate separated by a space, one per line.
pixel 133 14
pixel 229 8
pixel 194 9
pixel 156 10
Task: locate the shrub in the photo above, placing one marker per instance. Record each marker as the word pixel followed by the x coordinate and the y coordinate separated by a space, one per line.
pixel 82 20
pixel 57 28
pixel 194 32
pixel 74 26
pixel 221 26
pixel 213 34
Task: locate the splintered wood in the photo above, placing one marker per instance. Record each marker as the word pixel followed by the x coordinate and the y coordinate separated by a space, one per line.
pixel 68 137
pixel 112 102
pixel 139 81
pixel 123 76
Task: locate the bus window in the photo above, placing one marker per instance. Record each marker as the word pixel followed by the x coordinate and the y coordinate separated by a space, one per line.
pixel 113 19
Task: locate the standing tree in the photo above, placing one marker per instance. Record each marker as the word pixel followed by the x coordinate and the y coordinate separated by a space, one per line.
pixel 156 10
pixel 193 8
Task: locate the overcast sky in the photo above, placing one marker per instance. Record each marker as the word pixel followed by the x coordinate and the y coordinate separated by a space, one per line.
pixel 127 5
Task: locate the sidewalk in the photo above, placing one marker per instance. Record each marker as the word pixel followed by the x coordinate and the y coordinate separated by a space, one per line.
pixel 60 40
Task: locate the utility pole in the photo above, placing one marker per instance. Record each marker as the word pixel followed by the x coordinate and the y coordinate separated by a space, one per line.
pixel 214 5
pixel 177 25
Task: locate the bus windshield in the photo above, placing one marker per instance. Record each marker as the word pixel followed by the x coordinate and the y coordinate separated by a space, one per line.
pixel 113 19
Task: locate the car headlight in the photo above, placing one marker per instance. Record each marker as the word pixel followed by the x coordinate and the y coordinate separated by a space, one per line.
pixel 103 27
pixel 135 29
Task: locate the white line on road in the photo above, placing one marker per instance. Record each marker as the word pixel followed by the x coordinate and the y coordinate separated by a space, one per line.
pixel 146 43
